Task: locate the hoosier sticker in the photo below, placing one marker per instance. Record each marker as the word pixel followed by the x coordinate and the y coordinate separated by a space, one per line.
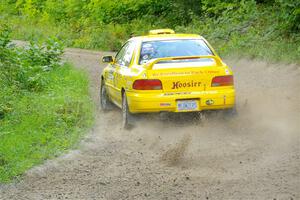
pixel 179 84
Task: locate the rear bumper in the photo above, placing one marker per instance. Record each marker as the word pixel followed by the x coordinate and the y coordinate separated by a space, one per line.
pixel 160 102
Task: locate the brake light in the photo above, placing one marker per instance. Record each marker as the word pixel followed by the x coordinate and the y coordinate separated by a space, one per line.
pixel 222 81
pixel 146 84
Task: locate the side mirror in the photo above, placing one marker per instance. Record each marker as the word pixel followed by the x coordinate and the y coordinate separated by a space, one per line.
pixel 107 59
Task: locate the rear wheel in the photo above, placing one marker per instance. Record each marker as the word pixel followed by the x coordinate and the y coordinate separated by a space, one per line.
pixel 104 99
pixel 126 115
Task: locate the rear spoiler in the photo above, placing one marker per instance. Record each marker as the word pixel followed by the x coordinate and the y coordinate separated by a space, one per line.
pixel 152 62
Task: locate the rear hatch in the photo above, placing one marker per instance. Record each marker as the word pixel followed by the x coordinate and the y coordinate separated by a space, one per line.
pixel 185 76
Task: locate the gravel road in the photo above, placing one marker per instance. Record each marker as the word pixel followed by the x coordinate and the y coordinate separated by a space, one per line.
pixel 255 155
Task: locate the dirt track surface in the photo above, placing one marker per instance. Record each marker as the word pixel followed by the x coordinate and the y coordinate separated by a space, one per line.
pixel 255 155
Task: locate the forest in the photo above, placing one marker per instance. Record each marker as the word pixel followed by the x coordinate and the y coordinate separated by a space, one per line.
pixel 266 29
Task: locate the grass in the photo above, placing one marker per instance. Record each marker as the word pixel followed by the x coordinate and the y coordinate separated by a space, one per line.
pixel 42 125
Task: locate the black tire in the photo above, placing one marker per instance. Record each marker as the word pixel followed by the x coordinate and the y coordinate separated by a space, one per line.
pixel 105 103
pixel 126 115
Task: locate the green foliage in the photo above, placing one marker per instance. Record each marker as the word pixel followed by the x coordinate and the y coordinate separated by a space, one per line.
pixel 25 68
pixel 255 28
pixel 217 7
pixel 289 15
pixel 44 104
pixel 106 24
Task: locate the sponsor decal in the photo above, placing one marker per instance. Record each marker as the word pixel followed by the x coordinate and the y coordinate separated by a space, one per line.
pixel 176 93
pixel 110 75
pixel 165 104
pixel 212 71
pixel 185 73
pixel 178 73
pixel 179 84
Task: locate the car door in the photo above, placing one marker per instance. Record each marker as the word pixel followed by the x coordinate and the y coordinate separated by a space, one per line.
pixel 122 65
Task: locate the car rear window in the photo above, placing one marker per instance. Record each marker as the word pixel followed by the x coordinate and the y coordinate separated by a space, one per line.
pixel 173 48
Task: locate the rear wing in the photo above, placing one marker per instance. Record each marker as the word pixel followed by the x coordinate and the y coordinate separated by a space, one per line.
pixel 152 62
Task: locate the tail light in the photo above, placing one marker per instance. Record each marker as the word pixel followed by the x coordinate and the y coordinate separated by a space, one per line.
pixel 146 84
pixel 222 81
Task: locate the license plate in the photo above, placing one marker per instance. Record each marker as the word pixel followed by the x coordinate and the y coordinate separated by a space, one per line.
pixel 187 105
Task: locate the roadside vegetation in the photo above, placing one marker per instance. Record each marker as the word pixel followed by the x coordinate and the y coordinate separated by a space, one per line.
pixel 44 104
pixel 266 29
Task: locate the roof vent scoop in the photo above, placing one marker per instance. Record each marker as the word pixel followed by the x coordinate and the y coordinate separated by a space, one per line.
pixel 161 31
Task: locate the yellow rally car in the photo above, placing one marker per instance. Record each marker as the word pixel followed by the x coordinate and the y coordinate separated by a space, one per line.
pixel 166 72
